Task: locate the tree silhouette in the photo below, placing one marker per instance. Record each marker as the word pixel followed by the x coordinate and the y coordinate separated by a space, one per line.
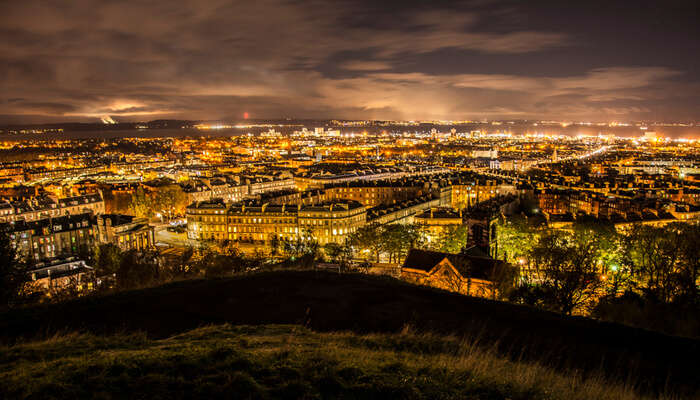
pixel 13 272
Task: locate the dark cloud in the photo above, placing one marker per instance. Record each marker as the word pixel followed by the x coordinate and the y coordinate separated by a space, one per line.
pixel 49 108
pixel 212 59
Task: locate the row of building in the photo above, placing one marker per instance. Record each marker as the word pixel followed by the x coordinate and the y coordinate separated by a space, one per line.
pixel 258 225
pixel 330 214
pixel 48 206
pixel 73 235
pixel 233 189
pixel 318 180
pixel 554 202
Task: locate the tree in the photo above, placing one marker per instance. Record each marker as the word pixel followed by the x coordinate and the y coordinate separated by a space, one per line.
pixel 169 200
pixel 665 261
pixel 214 264
pixel 608 241
pixel 566 266
pixel 368 240
pixel 453 239
pixel 392 237
pixel 531 294
pixel 226 247
pixel 688 274
pixel 515 237
pixel 227 262
pixel 140 203
pixel 338 253
pixel 121 204
pixel 394 240
pixel 653 254
pixel 107 259
pixel 137 269
pixel 333 251
pixel 182 266
pixel 275 245
pixel 409 236
pixel 501 280
pixel 304 246
pixel 13 272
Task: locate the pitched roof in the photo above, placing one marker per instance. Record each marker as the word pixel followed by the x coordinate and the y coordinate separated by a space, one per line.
pixel 468 266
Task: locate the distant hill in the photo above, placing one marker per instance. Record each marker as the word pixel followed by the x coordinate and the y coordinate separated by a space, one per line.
pixel 97 126
pixel 362 304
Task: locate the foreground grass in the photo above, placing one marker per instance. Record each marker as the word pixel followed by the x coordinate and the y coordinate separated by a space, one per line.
pixel 281 361
pixel 330 302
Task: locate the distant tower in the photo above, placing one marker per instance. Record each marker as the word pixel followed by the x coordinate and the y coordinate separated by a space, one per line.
pixel 555 158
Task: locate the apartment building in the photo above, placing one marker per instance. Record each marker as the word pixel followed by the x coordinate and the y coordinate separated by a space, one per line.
pixel 262 184
pixel 403 212
pixel 41 207
pixel 206 220
pixel 258 225
pixel 331 222
pixel 437 221
pixel 49 238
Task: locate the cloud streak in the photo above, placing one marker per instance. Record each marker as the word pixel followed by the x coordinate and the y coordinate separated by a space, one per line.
pixel 215 59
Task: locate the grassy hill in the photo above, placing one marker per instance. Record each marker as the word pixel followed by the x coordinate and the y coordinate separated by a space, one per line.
pixel 326 302
pixel 280 361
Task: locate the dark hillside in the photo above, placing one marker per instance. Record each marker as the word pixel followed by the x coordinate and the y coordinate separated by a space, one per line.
pixel 360 303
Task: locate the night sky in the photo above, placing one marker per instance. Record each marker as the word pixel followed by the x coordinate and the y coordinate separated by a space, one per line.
pixel 79 60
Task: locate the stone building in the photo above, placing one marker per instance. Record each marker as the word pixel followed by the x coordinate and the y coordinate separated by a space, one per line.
pixel 50 238
pixel 471 275
pixel 256 225
pixel 438 221
pixel 126 231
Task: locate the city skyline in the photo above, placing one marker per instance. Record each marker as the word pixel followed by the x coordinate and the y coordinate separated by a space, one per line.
pixel 335 199
pixel 86 61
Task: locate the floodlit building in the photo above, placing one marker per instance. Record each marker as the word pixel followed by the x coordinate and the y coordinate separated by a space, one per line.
pixel 40 207
pixel 331 222
pixel 50 238
pixel 206 220
pixel 256 226
pixel 438 221
pixel 126 231
pixel 466 274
